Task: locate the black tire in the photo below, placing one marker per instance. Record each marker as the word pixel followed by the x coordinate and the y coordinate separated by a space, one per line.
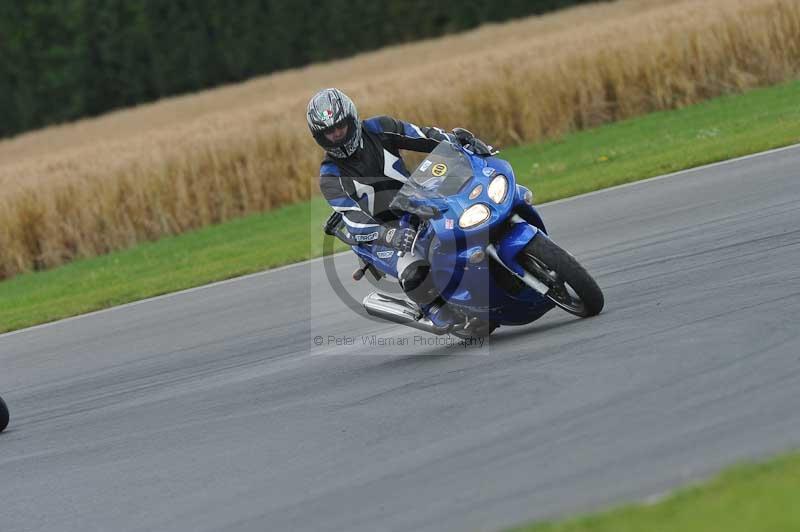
pixel 3 415
pixel 571 287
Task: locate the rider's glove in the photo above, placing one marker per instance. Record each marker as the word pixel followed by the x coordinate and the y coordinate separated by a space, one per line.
pixel 464 136
pixel 473 143
pixel 400 239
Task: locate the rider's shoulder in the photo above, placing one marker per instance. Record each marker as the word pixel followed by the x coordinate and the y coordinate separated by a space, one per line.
pixel 329 168
pixel 381 124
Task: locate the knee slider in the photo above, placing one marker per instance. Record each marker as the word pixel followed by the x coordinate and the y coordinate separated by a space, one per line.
pixel 417 283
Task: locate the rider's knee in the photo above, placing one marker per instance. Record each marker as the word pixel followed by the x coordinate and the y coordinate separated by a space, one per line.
pixel 416 282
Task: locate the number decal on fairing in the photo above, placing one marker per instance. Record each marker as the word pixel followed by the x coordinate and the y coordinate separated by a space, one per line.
pixel 439 169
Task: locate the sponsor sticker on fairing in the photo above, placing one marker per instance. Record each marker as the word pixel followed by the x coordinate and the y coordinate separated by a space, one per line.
pixel 425 165
pixel 448 223
pixel 385 254
pixel 488 171
pixel 389 235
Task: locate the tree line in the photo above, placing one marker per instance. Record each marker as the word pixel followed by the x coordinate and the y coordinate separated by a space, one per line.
pixel 65 59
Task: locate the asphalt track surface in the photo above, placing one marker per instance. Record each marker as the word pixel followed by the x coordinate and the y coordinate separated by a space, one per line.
pixel 214 409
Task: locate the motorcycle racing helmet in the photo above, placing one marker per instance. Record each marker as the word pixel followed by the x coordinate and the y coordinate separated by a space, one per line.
pixel 328 112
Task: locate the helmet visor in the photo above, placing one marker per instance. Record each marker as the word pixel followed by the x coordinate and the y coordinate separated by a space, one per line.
pixel 337 133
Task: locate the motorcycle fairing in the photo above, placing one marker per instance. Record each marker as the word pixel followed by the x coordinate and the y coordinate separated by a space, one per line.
pixel 448 247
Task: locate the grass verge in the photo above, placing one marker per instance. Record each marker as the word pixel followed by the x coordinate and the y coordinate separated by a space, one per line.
pixel 618 153
pixel 745 498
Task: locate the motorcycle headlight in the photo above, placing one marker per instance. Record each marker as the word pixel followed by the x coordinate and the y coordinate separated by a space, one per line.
pixel 475 215
pixel 498 188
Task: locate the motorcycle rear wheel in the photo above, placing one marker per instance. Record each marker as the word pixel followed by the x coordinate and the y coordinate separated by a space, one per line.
pixel 571 286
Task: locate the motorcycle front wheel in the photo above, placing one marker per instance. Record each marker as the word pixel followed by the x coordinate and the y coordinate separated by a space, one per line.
pixel 571 286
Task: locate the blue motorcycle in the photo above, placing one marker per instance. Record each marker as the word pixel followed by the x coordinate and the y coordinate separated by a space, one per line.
pixel 490 255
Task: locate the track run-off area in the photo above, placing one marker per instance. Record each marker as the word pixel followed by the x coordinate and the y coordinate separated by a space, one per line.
pixel 215 409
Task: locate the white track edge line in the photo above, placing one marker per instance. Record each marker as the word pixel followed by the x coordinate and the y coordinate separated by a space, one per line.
pixel 673 174
pixel 317 259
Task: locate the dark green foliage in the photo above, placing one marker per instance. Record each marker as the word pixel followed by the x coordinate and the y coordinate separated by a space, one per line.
pixel 64 59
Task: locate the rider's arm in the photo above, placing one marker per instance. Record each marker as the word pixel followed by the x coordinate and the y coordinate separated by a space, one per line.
pixel 407 136
pixel 361 225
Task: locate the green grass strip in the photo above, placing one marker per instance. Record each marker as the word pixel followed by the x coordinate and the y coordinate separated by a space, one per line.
pixel 581 162
pixel 746 498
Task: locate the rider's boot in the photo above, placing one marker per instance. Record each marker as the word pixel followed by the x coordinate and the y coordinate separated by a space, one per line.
pixel 439 313
pixel 419 288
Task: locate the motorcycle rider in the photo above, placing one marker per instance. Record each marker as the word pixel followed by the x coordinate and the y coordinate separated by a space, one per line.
pixel 363 170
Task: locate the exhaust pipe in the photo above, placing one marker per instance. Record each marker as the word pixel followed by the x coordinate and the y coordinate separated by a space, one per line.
pixel 400 311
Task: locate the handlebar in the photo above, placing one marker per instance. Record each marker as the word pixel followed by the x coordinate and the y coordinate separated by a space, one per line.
pixel 423 211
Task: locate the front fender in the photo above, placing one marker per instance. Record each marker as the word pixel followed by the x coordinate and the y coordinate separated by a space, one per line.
pixel 513 242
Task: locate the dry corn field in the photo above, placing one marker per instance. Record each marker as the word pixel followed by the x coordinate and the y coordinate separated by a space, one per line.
pixel 99 185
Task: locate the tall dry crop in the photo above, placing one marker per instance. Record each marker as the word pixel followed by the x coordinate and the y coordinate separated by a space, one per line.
pixel 99 185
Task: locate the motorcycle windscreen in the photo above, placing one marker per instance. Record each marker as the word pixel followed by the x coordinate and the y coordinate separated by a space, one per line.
pixel 443 173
